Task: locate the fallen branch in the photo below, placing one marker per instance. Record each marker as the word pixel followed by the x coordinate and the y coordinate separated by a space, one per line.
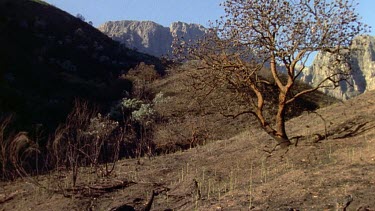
pixel 110 188
pixel 95 190
pixel 149 203
pixel 4 198
pixel 130 208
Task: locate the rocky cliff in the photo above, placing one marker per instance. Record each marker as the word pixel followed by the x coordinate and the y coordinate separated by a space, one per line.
pixel 362 62
pixel 149 37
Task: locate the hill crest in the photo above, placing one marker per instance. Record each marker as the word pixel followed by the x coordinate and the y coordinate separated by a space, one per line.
pixel 150 37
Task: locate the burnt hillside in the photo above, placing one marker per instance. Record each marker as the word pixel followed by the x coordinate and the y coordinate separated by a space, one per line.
pixel 48 58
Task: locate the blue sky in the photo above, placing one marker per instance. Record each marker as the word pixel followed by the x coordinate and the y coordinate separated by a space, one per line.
pixel 165 12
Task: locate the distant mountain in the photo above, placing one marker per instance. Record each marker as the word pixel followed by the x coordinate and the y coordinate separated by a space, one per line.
pixel 149 37
pixel 48 58
pixel 154 39
pixel 362 62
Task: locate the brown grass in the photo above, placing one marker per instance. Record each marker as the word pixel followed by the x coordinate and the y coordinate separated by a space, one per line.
pixel 190 116
pixel 16 151
pixel 243 172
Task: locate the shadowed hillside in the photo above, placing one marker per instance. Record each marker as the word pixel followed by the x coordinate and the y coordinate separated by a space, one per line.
pixel 48 58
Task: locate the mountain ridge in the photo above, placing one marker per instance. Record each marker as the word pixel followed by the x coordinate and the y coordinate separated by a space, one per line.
pixel 150 37
pixel 155 39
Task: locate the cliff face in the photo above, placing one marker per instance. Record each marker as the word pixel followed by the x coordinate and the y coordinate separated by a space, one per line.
pixel 187 31
pixel 362 62
pixel 149 37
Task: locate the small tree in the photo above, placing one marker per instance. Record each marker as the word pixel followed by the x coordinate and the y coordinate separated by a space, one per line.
pixel 257 37
pixel 80 16
pixel 142 117
pixel 141 76
pixel 86 139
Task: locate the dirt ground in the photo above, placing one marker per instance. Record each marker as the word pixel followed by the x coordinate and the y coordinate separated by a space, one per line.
pixel 331 166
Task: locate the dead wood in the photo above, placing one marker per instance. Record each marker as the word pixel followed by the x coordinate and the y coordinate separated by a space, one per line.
pixel 112 187
pixel 4 198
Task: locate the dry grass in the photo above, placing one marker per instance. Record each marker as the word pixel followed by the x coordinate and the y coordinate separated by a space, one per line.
pixel 240 173
pixel 190 116
pixel 16 151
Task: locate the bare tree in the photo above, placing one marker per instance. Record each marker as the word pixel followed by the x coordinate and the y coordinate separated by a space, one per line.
pixel 246 49
pixel 86 139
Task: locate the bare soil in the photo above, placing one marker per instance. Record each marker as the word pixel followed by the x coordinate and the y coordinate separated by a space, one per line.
pixel 191 116
pixel 331 166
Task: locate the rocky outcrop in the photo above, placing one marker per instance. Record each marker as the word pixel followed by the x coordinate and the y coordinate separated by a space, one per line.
pixel 149 37
pixel 362 63
pixel 187 31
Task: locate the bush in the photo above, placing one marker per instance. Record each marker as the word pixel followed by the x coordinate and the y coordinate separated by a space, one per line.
pixel 16 151
pixel 86 139
pixel 141 76
pixel 139 117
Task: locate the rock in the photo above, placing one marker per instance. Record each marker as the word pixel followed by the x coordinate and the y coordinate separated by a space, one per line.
pixel 187 31
pixel 149 37
pixel 362 61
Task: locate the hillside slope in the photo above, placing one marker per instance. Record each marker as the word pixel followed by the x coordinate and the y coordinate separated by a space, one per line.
pixel 48 58
pixel 242 172
pixel 190 116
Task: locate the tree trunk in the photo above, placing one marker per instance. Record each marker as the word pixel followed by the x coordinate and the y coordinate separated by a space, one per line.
pixel 281 139
pixel 281 136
